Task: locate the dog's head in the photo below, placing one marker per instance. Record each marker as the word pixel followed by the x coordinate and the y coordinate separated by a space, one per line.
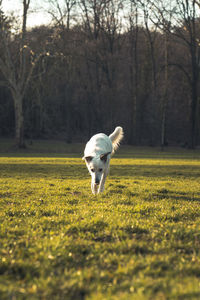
pixel 96 166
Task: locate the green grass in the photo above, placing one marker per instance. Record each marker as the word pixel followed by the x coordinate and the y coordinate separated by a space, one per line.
pixel 140 239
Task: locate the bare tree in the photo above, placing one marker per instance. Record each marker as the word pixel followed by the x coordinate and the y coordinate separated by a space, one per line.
pixel 184 25
pixel 62 13
pixel 102 26
pixel 152 35
pixel 165 93
pixel 111 28
pixel 134 71
pixel 17 68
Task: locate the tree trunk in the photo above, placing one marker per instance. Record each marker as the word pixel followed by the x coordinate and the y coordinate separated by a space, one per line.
pixel 194 98
pixel 193 117
pixel 163 124
pixel 165 96
pixel 19 120
pixel 134 138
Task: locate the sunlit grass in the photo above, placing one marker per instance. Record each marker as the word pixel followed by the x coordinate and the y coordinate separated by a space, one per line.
pixel 138 240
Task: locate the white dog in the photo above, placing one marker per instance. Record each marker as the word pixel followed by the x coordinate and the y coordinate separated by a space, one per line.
pixel 97 156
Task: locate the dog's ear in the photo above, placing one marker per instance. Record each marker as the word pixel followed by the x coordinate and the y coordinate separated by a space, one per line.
pixel 103 157
pixel 87 158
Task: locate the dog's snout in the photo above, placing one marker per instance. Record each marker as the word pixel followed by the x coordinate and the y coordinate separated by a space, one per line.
pixel 97 180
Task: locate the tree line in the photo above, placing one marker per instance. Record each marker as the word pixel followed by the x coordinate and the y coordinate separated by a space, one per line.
pixel 102 63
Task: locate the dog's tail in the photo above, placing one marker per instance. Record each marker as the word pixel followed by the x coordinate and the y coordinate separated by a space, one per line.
pixel 116 137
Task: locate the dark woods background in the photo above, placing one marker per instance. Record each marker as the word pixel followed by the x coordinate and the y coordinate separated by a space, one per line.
pixel 100 64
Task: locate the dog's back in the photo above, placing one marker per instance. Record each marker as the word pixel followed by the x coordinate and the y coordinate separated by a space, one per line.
pixel 101 143
pixel 98 144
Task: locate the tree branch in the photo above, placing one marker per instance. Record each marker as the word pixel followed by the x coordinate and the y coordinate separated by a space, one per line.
pixel 179 66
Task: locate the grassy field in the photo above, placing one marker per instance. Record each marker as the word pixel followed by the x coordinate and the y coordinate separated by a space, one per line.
pixel 140 239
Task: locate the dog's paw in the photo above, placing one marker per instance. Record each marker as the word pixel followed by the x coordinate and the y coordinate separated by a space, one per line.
pixel 94 188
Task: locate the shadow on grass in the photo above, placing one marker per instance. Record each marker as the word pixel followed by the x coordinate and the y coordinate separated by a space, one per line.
pixel 187 296
pixel 177 195
pixel 18 270
pixel 43 170
pixel 79 171
pixel 155 170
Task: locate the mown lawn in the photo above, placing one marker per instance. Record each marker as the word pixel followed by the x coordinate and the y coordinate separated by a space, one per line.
pixel 138 240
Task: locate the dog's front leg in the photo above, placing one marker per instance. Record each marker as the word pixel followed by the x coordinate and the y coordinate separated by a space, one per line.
pixel 104 175
pixel 94 188
pixel 102 183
